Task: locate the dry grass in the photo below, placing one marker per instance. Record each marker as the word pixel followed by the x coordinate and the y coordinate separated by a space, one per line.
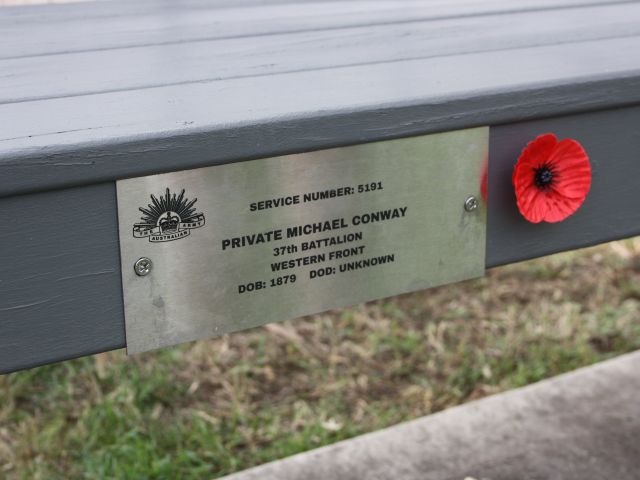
pixel 218 406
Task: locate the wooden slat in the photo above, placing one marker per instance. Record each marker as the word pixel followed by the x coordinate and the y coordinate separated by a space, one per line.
pixel 144 67
pixel 47 30
pixel 90 10
pixel 85 139
pixel 61 294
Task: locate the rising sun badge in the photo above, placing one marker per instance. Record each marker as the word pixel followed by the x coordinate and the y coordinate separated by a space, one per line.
pixel 167 218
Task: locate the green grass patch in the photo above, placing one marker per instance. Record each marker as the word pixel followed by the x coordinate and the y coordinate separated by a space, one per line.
pixel 215 407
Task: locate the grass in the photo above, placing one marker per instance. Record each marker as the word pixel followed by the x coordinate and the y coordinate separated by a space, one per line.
pixel 214 407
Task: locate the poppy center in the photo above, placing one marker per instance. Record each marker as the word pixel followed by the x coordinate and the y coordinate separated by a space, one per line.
pixel 543 177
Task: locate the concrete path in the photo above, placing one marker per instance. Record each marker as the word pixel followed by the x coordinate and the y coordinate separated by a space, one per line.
pixel 583 425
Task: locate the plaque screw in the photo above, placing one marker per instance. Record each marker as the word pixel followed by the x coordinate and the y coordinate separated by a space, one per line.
pixel 471 204
pixel 143 266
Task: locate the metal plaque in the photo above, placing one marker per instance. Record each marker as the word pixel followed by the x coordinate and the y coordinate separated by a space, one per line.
pixel 224 248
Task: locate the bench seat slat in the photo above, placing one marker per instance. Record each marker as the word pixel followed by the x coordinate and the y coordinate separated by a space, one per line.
pixel 85 139
pixel 186 63
pixel 107 25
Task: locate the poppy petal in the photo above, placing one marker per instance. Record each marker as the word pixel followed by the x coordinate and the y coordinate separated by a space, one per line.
pixel 571 165
pixel 560 207
pixel 530 205
pixel 537 151
pixel 533 155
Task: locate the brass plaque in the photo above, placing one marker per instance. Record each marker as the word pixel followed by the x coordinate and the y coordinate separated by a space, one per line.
pixel 230 247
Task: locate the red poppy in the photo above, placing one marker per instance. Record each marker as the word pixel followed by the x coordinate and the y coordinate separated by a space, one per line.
pixel 551 179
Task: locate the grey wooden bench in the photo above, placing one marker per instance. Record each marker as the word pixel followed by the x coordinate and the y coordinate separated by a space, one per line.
pixel 94 92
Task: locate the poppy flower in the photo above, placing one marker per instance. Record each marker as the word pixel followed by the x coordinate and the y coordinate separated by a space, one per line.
pixel 551 179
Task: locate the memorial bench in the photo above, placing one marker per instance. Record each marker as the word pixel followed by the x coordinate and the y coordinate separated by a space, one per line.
pixel 95 93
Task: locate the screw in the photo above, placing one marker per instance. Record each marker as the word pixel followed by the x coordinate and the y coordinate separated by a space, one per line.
pixel 143 266
pixel 471 204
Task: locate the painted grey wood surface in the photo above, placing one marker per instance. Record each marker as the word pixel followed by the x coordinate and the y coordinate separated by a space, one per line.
pixel 94 138
pixel 60 288
pixel 140 67
pixel 612 140
pixel 97 91
pixel 117 24
pixel 220 113
pixel 60 282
